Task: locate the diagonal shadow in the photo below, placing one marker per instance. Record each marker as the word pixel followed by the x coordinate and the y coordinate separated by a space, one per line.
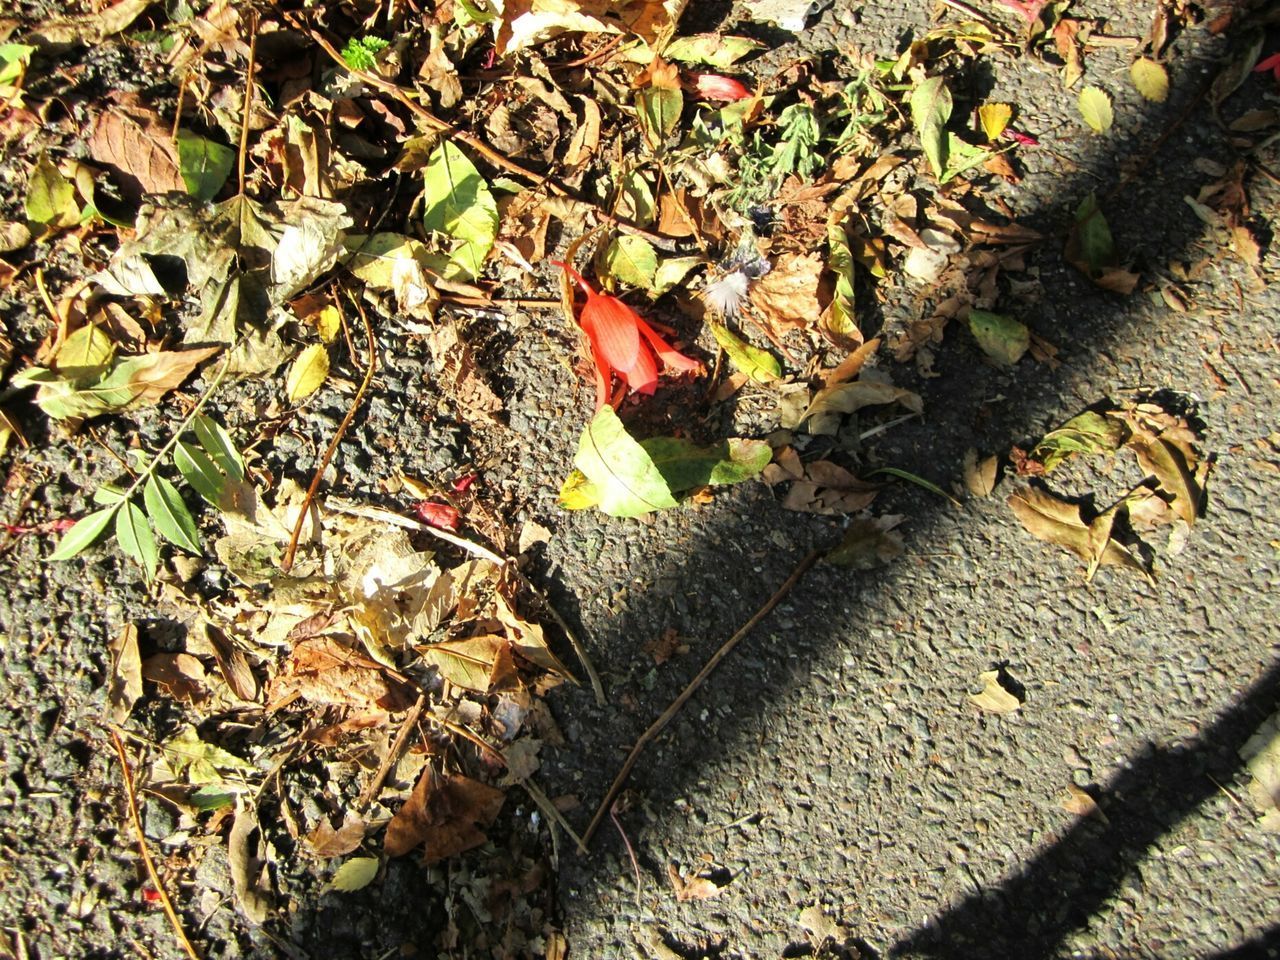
pixel 1030 915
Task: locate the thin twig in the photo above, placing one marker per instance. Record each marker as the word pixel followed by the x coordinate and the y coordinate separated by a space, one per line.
pixel 248 102
pixel 667 715
pixel 578 649
pixel 393 754
pixel 134 816
pixel 396 520
pixel 323 465
pixel 635 866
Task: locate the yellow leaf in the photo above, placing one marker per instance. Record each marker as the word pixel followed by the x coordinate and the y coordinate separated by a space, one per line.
pixel 307 373
pixel 994 117
pixel 1095 107
pixel 993 697
pixel 1150 78
pixel 327 323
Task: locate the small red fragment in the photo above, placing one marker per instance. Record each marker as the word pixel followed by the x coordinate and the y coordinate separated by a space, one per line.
pixel 439 515
pixel 1025 139
pixel 150 895
pixel 712 86
pixel 1030 9
pixel 463 483
pixel 1272 63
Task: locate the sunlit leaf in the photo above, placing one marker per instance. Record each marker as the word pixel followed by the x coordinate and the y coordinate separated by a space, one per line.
pixel 1001 338
pixel 1150 79
pixel 218 444
pixel 1047 518
pixel 994 117
pixel 204 164
pixel 85 355
pixel 199 471
pixel 134 535
pixel 1088 432
pixel 659 111
pixel 81 536
pixel 930 111
pixel 632 261
pixel 993 697
pixel 1095 108
pixel 459 204
pixel 51 197
pixel 356 874
pixel 760 365
pixel 308 372
pixel 712 49
pixel 627 481
pixel 169 514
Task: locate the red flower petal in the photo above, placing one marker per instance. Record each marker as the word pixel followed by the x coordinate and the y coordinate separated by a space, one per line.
pixel 437 514
pixel 712 86
pixel 612 325
pixel 671 359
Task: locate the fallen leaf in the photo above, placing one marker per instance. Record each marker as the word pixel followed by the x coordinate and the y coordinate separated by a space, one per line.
pixel 458 204
pixel 829 489
pixel 868 543
pixel 444 813
pixel 1080 802
pixel 994 697
pixel 181 675
pixel 51 197
pixel 1089 433
pixel 467 663
pixel 356 874
pixel 760 365
pixel 787 296
pixel 132 140
pixel 1095 108
pixel 327 842
pixel 1047 518
pixel 125 688
pixel 696 888
pixel 1003 339
pixel 930 110
pixel 1150 79
pixel 308 373
pixel 248 870
pixel 821 927
pixel 980 475
pixel 1261 754
pixel 1174 474
pixel 994 117
pixel 324 672
pixel 459 374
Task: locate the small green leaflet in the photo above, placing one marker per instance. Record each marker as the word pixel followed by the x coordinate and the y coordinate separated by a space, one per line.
pixel 14 58
pixel 628 479
pixel 136 539
pixel 672 271
pixel 204 164
pixel 459 204
pixel 930 111
pixel 200 762
pixel 636 201
pixel 361 53
pixel 219 445
pixel 356 874
pixel 961 157
pixel 169 514
pixel 51 197
pixel 760 365
pixel 199 471
pixel 631 261
pixel 86 530
pixel 1095 107
pixel 1001 338
pixel 1089 432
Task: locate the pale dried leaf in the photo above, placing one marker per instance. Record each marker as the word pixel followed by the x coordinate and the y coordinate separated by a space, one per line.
pixel 993 697
pixel 125 688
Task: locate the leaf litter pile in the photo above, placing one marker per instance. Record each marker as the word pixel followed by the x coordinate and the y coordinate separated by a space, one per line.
pixel 710 227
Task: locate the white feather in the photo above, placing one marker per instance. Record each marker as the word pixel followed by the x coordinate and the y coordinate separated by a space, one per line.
pixel 726 294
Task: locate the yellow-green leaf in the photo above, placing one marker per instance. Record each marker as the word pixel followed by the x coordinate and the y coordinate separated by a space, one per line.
pixel 760 365
pixel 1150 79
pixel 459 204
pixel 930 111
pixel 1001 338
pixel 1095 107
pixel 85 355
pixel 204 164
pixel 356 874
pixel 994 117
pixel 51 197
pixel 632 261
pixel 659 113
pixel 307 373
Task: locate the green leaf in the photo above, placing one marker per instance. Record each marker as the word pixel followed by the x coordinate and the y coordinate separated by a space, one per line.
pixel 685 465
pixel 51 197
pixel 136 539
pixel 628 482
pixel 760 365
pixel 14 58
pixel 204 164
pixel 918 480
pixel 632 261
pixel 108 494
pixel 930 111
pixel 1089 432
pixel 86 530
pixel 202 763
pixel 637 201
pixel 378 258
pixel 356 874
pixel 1092 237
pixel 199 471
pixel 1001 338
pixel 961 157
pixel 711 48
pixel 1095 107
pixel 85 355
pixel 361 54
pixel 672 271
pixel 468 11
pixel 459 204
pixel 219 445
pixel 169 514
pixel 659 110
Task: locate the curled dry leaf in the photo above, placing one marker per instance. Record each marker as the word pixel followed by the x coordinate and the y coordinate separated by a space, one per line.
pixel 248 871
pixel 445 813
pixel 1055 521
pixel 1080 802
pixel 131 139
pixel 993 697
pixel 980 475
pixel 787 296
pixel 125 688
pixel 696 888
pixel 327 842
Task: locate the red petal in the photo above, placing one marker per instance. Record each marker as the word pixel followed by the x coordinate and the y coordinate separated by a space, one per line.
pixel 712 86
pixel 437 514
pixel 611 324
pixel 643 377
pixel 603 373
pixel 671 359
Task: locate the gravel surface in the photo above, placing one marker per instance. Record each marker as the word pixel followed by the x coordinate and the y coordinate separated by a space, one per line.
pixel 833 773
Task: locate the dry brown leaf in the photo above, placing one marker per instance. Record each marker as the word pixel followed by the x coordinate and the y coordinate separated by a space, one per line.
pixel 445 813
pixel 327 842
pixel 531 533
pixel 993 697
pixel 697 888
pixel 181 675
pixel 323 671
pixel 155 374
pixel 786 297
pixel 125 688
pixel 248 871
pixel 132 140
pixel 830 490
pixel 466 663
pixel 1173 465
pixel 851 365
pixel 232 663
pixel 980 476
pixel 1081 803
pixel 586 139
pixel 1055 521
pixel 461 377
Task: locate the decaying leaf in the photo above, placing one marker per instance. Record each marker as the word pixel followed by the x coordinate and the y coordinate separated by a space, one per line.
pixel 248 869
pixel 327 842
pixel 868 543
pixel 980 476
pixel 125 688
pixel 1055 521
pixel 693 888
pixel 1091 250
pixel 356 874
pixel 445 814
pixel 787 296
pixel 830 403
pixel 459 373
pixel 324 671
pixel 1089 433
pixel 820 486
pixel 1081 803
pixel 994 697
pixel 1001 338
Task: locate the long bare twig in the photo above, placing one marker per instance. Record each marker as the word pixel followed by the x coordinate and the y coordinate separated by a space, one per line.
pixel 136 818
pixel 656 727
